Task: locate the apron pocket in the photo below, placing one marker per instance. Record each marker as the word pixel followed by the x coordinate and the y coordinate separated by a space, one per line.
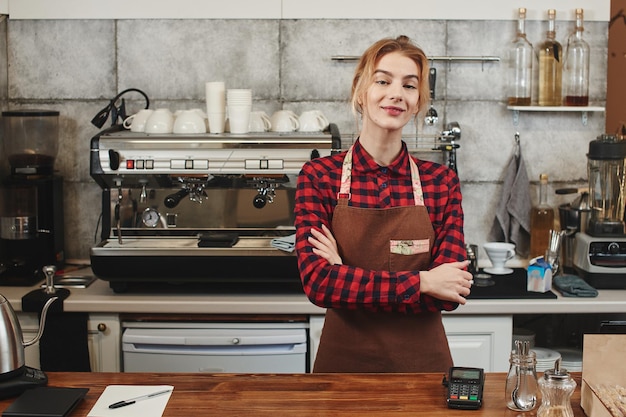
pixel 409 247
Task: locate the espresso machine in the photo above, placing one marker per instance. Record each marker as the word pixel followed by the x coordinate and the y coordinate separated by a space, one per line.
pixel 31 197
pixel 600 251
pixel 199 210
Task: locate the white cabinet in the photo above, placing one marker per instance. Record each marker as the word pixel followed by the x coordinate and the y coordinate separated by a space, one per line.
pixel 479 340
pixel 103 341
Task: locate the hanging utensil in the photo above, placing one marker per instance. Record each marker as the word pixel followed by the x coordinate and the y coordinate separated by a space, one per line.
pixel 431 115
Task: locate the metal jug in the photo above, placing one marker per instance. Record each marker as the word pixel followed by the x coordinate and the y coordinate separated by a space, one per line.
pixel 11 341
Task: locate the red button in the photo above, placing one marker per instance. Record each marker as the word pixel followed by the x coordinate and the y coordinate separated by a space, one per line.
pixel 130 164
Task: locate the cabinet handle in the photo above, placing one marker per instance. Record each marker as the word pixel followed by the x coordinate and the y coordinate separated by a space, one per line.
pixel 102 327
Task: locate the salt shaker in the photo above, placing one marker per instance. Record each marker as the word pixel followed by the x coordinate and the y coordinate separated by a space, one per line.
pixel 556 387
pixel 521 381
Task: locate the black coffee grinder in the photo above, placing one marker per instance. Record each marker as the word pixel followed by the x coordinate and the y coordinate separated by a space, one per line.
pixel 31 197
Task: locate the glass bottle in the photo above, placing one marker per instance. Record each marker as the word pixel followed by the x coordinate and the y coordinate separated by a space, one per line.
pixel 576 66
pixel 550 66
pixel 520 62
pixel 521 382
pixel 556 390
pixel 541 221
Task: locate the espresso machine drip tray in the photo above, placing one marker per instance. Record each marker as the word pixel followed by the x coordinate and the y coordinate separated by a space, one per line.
pixel 200 209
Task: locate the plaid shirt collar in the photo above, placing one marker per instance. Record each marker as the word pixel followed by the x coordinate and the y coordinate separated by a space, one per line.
pixel 363 162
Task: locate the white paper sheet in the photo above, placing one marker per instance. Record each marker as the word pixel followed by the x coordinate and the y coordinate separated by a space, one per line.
pixel 152 407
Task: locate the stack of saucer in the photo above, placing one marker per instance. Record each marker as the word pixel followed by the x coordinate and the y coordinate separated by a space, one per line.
pixel 545 358
pixel 571 359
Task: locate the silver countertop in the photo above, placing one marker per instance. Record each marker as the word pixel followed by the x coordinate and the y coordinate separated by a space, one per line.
pixel 99 298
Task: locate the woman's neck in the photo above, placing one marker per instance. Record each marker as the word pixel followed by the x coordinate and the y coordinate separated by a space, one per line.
pixel 382 145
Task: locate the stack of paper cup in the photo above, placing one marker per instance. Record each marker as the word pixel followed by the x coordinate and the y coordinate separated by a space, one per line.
pixel 216 106
pixel 239 104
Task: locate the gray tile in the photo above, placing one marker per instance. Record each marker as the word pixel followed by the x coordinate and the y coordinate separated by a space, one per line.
pixel 172 59
pixel 61 59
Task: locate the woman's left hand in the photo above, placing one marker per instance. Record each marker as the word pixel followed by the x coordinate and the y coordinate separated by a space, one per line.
pixel 325 245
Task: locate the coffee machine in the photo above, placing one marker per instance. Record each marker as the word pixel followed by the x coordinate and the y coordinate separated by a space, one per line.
pixel 600 251
pixel 31 197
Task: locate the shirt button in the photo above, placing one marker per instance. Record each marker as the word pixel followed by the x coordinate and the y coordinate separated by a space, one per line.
pixel 383 170
pixel 384 185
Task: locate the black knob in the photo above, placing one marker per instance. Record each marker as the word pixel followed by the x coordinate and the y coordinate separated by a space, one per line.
pixel 315 154
pixel 172 200
pixel 614 248
pixel 114 160
pixel 259 201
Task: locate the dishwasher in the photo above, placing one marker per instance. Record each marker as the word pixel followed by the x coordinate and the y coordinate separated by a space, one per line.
pixel 214 347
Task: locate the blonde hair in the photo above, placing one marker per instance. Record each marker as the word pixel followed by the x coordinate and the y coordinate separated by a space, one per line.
pixel 370 58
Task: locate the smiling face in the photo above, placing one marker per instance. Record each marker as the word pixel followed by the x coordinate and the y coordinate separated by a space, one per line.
pixel 392 97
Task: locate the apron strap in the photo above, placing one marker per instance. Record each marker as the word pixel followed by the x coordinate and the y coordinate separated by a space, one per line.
pixel 346 180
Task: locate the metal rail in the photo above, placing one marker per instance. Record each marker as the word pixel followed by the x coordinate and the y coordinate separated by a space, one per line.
pixel 432 58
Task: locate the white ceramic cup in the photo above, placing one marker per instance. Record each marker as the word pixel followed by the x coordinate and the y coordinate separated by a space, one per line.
pixel 137 122
pixel 239 118
pixel 499 253
pixel 312 121
pixel 161 121
pixel 259 122
pixel 216 105
pixel 284 121
pixel 189 121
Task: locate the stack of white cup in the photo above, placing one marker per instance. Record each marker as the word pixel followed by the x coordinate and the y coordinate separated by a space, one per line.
pixel 239 105
pixel 216 106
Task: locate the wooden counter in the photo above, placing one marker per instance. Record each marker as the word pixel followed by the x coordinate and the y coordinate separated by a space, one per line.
pixel 299 395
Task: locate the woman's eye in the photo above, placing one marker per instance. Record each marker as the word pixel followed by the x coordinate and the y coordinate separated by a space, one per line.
pixel 410 86
pixel 381 82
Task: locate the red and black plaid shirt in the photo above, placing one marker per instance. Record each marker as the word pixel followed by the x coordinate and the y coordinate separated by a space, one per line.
pixel 373 186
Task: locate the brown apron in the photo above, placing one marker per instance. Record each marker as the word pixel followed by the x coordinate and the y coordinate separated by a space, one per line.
pixel 382 341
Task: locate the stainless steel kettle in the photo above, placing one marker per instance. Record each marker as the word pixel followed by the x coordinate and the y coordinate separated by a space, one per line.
pixel 11 341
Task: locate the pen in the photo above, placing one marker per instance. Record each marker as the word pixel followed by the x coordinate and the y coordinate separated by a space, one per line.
pixel 140 398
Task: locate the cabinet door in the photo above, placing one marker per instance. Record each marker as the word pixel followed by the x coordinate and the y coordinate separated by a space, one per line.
pixel 316 323
pixel 480 341
pixel 104 342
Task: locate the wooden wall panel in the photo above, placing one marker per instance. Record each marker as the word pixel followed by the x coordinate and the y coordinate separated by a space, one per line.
pixel 616 71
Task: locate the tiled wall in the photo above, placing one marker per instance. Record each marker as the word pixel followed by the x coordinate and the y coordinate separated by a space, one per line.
pixel 76 66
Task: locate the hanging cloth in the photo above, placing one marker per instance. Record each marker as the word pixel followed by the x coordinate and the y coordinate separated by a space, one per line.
pixel 512 221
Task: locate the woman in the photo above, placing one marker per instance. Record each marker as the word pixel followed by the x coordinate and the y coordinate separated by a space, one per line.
pixel 380 233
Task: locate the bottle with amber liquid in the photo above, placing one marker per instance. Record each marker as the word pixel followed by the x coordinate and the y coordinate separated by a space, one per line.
pixel 520 61
pixel 576 66
pixel 550 55
pixel 541 221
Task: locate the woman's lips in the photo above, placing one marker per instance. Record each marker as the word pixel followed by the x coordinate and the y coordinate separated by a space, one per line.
pixel 392 110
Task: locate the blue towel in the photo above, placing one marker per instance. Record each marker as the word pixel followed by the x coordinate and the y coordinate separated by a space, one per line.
pixel 287 243
pixel 573 286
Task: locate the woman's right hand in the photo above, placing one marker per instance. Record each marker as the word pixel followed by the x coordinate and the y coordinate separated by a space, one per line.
pixel 447 282
pixel 325 245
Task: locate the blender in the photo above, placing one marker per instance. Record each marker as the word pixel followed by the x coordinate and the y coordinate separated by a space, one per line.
pixel 600 251
pixel 31 197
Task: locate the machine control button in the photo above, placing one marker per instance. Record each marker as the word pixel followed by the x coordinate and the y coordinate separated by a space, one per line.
pixel 149 164
pixel 130 164
pixel 114 160
pixel 276 164
pixel 139 164
pixel 189 164
pixel 201 164
pixel 177 163
pixel 252 164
